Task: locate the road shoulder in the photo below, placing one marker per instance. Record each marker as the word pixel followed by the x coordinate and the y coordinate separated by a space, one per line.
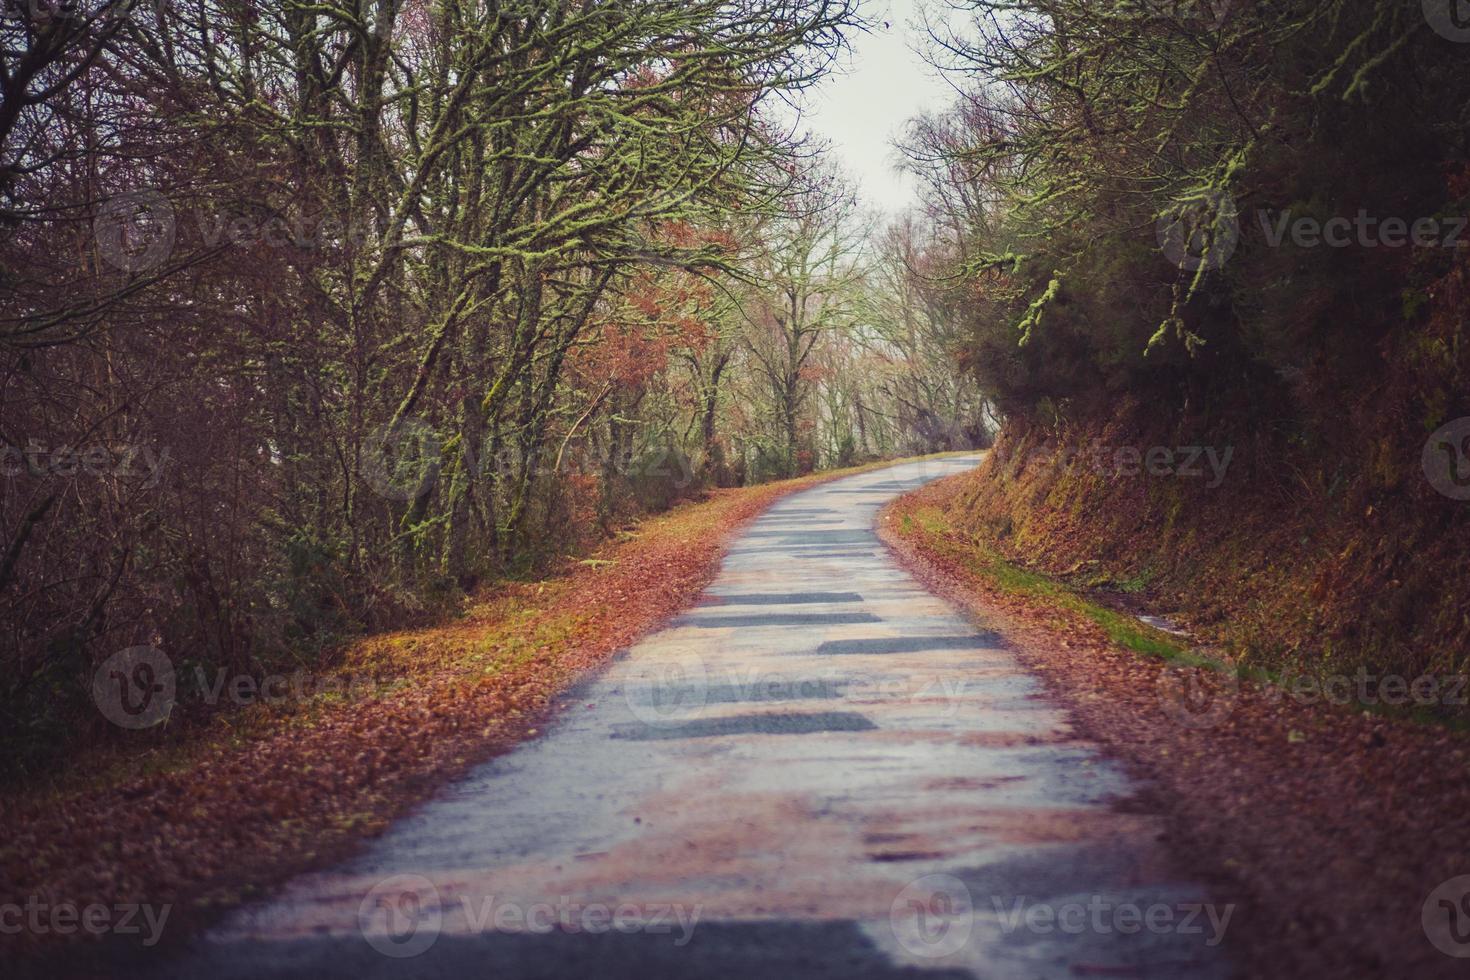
pixel 199 825
pixel 1330 828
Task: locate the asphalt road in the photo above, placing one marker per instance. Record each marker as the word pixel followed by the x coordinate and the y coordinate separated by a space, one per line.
pixel 820 770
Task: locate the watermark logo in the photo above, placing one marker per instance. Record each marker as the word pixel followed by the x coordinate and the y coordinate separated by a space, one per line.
pixel 138 687
pixel 243 690
pixel 1450 19
pixel 661 692
pixel 1103 916
pixel 664 692
pixel 401 916
pixel 67 462
pixel 275 230
pixel 1364 688
pixel 1363 230
pixel 486 913
pixel 933 916
pixel 1200 231
pixel 1446 459
pixel 402 461
pixel 1208 464
pixel 135 688
pixel 41 918
pixel 135 231
pixel 1198 697
pixel 1446 917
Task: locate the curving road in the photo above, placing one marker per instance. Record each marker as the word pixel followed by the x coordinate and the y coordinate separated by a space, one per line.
pixel 820 770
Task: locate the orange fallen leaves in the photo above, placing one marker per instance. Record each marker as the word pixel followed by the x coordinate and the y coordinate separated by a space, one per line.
pixel 1328 826
pixel 233 816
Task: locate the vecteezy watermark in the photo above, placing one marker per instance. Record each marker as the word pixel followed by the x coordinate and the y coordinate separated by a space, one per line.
pixel 135 688
pixel 1363 230
pixel 1182 462
pixel 1200 231
pixel 135 231
pixel 1210 463
pixel 663 691
pixel 1105 916
pixel 124 462
pixel 138 687
pixel 403 460
pixel 1198 697
pixel 1446 917
pixel 1373 690
pixel 40 918
pixel 282 231
pixel 933 916
pixel 486 913
pixel 246 689
pixel 403 916
pixel 1446 459
pixel 1450 19
pixel 1201 697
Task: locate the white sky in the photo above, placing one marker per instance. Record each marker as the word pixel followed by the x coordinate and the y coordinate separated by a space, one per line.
pixel 865 105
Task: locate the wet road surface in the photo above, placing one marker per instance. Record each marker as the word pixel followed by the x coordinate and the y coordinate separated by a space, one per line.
pixel 820 770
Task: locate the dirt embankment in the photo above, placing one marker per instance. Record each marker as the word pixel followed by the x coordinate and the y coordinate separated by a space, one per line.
pixel 1297 566
pixel 1340 832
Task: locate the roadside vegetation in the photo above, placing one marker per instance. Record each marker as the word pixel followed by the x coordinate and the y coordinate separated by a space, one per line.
pixel 286 776
pixel 315 320
pixel 1326 820
pixel 1180 240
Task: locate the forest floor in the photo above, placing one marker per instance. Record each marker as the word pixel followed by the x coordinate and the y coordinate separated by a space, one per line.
pixel 291 782
pixel 1335 829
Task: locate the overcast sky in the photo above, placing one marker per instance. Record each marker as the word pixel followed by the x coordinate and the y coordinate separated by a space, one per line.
pixel 863 107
